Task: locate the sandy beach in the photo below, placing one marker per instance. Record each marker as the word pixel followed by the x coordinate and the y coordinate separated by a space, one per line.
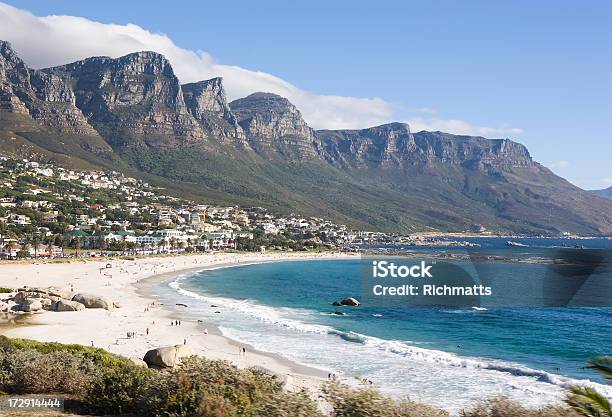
pixel 127 282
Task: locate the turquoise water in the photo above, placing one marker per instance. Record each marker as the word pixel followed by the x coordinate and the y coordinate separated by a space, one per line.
pixel 445 356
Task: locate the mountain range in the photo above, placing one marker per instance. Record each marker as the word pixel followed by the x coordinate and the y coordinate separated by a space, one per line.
pixel 132 114
pixel 605 193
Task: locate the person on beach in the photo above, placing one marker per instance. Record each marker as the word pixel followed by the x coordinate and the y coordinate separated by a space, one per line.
pixel 184 341
pixel 147 331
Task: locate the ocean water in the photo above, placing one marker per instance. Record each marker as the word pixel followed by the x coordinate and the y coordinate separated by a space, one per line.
pixel 450 357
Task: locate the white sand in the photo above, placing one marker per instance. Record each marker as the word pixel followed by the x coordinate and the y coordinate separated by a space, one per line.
pixel 108 328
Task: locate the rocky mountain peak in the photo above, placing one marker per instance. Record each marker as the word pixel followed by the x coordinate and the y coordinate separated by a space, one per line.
pixel 7 52
pixel 13 74
pixel 46 98
pixel 135 96
pixel 472 151
pixel 394 144
pixel 386 144
pixel 207 95
pixel 273 125
pixel 207 102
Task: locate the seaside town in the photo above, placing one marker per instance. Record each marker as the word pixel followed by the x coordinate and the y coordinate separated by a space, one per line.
pixel 47 211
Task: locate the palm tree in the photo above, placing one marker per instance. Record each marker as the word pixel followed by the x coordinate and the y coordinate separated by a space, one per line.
pixel 26 248
pixel 585 400
pixel 77 245
pixel 9 247
pixel 36 240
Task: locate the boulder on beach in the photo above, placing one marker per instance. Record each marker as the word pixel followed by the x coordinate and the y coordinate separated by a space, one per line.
pixel 32 289
pixel 138 362
pixel 93 301
pixel 21 296
pixel 46 303
pixel 65 293
pixel 167 356
pixel 67 305
pixel 30 305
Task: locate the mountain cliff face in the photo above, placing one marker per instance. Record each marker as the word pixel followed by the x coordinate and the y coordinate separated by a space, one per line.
pixel 274 127
pixel 133 99
pixel 393 145
pixel 207 103
pixel 131 113
pixel 390 144
pixel 46 98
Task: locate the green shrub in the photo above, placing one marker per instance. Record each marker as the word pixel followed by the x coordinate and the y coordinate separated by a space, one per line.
pixel 347 402
pixel 287 404
pixel 503 407
pixel 182 391
pixel 4 290
pixel 215 406
pixel 119 389
pixel 29 371
pixel 99 356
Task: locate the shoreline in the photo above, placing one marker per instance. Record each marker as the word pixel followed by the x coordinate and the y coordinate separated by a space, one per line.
pixel 145 287
pixel 127 282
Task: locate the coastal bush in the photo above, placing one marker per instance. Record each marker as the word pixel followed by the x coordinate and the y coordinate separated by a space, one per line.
pixel 197 383
pixel 98 356
pixel 503 407
pixel 29 371
pixel 215 406
pixel 287 404
pixel 349 402
pixel 4 290
pixel 119 389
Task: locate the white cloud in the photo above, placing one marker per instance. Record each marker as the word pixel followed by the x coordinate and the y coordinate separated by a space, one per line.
pixel 55 40
pixel 607 181
pixel 559 164
pixel 459 127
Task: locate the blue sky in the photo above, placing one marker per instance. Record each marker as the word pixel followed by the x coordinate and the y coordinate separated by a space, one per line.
pixel 537 72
